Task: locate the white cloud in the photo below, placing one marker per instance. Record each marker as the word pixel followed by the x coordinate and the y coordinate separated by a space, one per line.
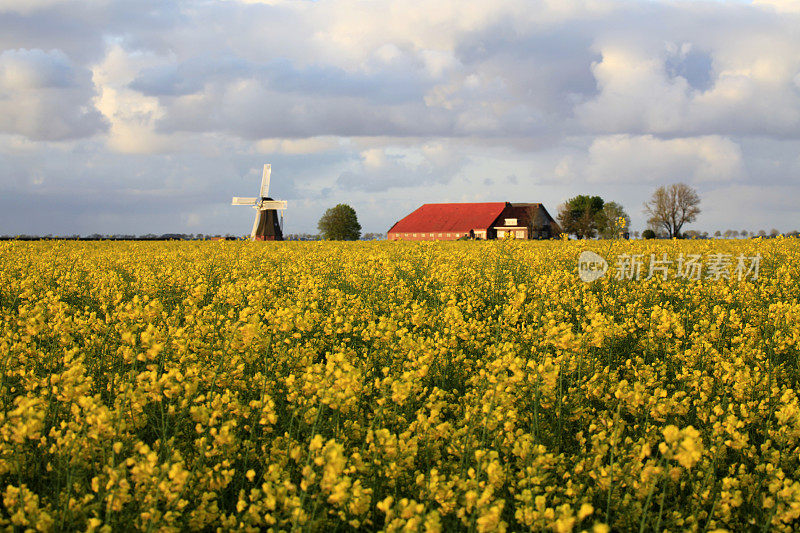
pixel 783 6
pixel 714 83
pixel 310 145
pixel 635 94
pixel 43 96
pixel 379 169
pixel 132 115
pixel 626 158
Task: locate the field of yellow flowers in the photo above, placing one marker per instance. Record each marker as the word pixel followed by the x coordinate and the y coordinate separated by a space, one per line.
pixel 476 386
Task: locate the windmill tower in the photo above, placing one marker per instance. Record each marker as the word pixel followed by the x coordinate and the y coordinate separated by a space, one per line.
pixel 267 226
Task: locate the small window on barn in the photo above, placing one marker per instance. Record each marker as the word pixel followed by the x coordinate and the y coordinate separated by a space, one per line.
pixel 511 222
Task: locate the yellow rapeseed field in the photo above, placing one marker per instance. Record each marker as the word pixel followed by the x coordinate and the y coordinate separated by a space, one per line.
pixel 476 386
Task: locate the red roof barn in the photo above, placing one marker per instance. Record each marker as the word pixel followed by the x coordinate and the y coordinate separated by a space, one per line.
pixel 478 220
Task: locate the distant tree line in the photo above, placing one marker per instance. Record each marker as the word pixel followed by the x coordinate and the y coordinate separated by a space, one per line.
pixel 171 237
pixel 317 237
pixel 727 234
pixel 122 237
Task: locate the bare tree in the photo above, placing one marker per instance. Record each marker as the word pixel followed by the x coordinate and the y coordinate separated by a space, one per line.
pixel 672 207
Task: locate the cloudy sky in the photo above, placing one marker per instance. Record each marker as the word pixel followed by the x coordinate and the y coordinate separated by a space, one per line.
pixel 144 116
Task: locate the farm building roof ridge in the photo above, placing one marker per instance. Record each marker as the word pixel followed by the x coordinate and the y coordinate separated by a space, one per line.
pixel 450 217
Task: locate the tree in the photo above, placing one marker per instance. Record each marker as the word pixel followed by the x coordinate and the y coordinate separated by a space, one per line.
pixel 648 234
pixel 672 207
pixel 581 216
pixel 340 223
pixel 614 220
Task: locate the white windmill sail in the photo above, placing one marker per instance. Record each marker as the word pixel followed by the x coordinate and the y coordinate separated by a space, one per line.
pixel 265 176
pixel 255 227
pixel 237 200
pixel 265 205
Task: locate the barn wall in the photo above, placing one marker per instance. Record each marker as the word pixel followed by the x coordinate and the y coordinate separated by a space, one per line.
pixel 426 236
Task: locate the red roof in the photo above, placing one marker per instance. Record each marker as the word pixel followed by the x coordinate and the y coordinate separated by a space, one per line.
pixel 450 217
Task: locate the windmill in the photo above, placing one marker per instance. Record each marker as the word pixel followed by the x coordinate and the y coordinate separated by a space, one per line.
pixel 266 227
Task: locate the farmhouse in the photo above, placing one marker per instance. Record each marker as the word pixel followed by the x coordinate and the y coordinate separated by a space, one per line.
pixel 489 220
